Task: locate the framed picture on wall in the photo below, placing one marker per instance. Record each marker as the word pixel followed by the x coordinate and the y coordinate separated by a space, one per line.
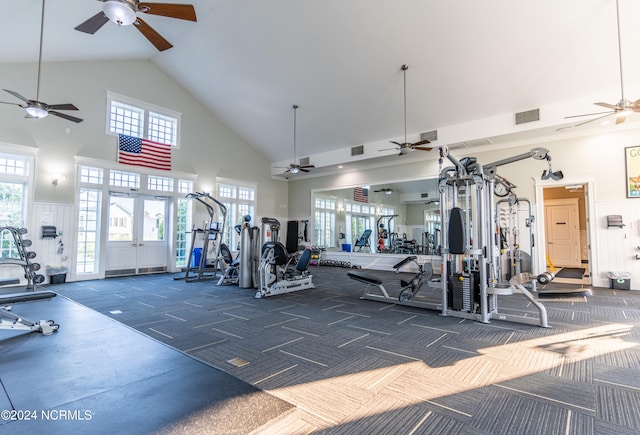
pixel 632 160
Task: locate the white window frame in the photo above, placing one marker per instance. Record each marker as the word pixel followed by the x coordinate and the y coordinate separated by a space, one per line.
pixel 328 213
pixel 234 217
pixel 147 109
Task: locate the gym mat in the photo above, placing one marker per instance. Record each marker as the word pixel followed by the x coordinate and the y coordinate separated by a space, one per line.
pixel 571 272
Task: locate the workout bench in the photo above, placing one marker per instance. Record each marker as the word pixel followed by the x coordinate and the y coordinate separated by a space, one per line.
pixel 10 320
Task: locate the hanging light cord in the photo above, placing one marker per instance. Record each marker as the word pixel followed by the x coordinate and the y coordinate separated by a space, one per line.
pixel 404 72
pixel 295 109
pixel 40 53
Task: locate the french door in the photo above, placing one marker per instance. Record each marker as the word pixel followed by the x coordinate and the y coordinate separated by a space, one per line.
pixel 137 235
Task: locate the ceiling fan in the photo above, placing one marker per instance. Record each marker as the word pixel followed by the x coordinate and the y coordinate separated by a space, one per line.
pixel 406 147
pixel 36 108
pixel 294 167
pixel 123 13
pixel 385 190
pixel 623 107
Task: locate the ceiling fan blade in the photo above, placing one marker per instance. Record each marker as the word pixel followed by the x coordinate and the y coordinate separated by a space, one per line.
pixel 422 142
pixel 17 95
pixel 182 12
pixel 13 104
pixel 586 114
pixel 423 148
pixel 303 170
pixel 93 24
pixel 396 143
pixel 620 119
pixel 607 105
pixel 66 106
pixel 389 149
pixel 594 119
pixel 635 103
pixel 65 116
pixel 307 167
pixel 154 37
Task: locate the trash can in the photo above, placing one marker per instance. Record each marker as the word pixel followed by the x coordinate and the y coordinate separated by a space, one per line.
pixel 195 257
pixel 57 275
pixel 619 280
pixel 346 247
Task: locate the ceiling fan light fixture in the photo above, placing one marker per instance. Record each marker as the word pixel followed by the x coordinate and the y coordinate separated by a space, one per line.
pixel 624 112
pixel 294 170
pixel 36 112
pixel 121 13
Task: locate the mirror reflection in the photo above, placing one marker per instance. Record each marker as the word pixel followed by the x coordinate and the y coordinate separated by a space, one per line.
pixel 388 218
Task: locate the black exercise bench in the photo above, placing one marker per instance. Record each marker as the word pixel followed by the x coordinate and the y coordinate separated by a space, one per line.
pixel 10 320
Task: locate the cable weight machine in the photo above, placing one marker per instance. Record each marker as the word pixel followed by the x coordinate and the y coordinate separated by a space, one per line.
pixel 471 260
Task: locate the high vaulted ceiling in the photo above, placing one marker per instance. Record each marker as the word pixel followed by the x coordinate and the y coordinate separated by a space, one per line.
pixel 472 64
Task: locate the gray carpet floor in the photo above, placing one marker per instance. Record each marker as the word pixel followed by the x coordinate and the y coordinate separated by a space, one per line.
pixel 357 366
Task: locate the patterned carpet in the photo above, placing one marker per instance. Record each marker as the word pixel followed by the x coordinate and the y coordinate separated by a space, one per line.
pixel 356 366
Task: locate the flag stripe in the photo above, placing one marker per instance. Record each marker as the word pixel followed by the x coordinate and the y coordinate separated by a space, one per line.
pixel 142 152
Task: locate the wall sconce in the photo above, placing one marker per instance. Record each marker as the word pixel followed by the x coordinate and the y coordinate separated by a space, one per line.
pixel 57 179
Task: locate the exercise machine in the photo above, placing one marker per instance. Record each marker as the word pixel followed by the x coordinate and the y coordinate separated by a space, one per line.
pixel 13 321
pixel 279 273
pixel 20 256
pixel 212 232
pixel 363 242
pixel 409 287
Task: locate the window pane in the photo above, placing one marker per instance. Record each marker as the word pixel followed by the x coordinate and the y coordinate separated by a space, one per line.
pixel 124 179
pixel 89 206
pixel 11 204
pixel 13 166
pixel 126 119
pixel 153 225
pixel 185 186
pixel 120 219
pixel 162 128
pixel 91 175
pixel 183 225
pixel 164 184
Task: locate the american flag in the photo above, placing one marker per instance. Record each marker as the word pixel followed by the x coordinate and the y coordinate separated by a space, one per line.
pixel 142 152
pixel 361 194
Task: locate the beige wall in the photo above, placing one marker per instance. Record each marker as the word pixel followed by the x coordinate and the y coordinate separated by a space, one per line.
pixel 208 147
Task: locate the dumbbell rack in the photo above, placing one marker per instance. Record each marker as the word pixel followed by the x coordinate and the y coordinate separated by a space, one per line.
pixel 24 257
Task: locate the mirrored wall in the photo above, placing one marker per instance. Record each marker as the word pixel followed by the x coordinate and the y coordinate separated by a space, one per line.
pixel 387 218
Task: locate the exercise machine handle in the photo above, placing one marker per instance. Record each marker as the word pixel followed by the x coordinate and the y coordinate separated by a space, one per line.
pixel 405 261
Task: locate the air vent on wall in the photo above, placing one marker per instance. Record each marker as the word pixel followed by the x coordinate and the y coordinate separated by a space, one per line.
pixel 431 136
pixel 470 144
pixel 357 151
pixel 424 195
pixel 528 116
pixel 304 161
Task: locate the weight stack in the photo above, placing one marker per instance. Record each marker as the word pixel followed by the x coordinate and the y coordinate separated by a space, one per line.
pixel 459 292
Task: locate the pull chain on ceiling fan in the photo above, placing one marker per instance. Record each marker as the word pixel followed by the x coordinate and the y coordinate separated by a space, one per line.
pixel 407 147
pixel 36 108
pixel 621 109
pixel 294 167
pixel 123 13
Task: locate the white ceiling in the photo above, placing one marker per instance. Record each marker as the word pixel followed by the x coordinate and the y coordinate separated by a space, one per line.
pixel 472 64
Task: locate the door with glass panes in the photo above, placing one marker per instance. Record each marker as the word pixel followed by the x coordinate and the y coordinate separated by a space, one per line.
pixel 137 235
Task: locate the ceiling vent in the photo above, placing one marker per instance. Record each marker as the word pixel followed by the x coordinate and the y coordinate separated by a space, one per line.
pixel 431 136
pixel 528 116
pixel 304 161
pixel 470 144
pixel 424 195
pixel 357 151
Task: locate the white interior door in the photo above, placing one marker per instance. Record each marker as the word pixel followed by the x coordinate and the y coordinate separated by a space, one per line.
pixel 137 237
pixel 563 232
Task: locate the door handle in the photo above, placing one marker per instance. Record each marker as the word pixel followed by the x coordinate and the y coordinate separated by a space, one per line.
pixel 134 244
pixel 561 223
pixel 141 244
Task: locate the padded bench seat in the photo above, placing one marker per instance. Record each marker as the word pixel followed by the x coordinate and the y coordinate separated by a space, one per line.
pixel 364 277
pixel 14 298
